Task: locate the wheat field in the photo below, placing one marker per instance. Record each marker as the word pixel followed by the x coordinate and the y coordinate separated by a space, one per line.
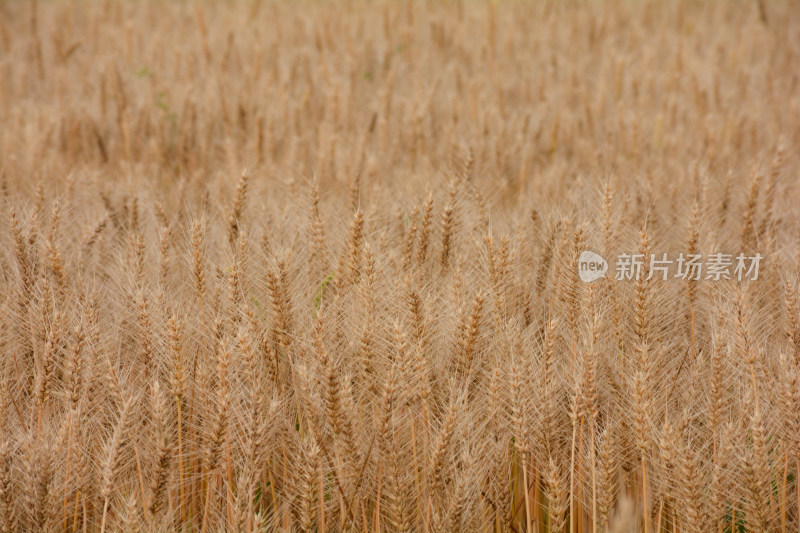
pixel 316 266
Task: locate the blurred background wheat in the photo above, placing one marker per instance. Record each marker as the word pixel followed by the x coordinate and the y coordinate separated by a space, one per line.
pixel 312 266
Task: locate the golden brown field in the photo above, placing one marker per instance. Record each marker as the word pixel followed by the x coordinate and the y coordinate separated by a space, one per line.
pixel 314 266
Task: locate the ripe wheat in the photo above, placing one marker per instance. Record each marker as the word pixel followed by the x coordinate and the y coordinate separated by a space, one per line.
pixel 312 266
